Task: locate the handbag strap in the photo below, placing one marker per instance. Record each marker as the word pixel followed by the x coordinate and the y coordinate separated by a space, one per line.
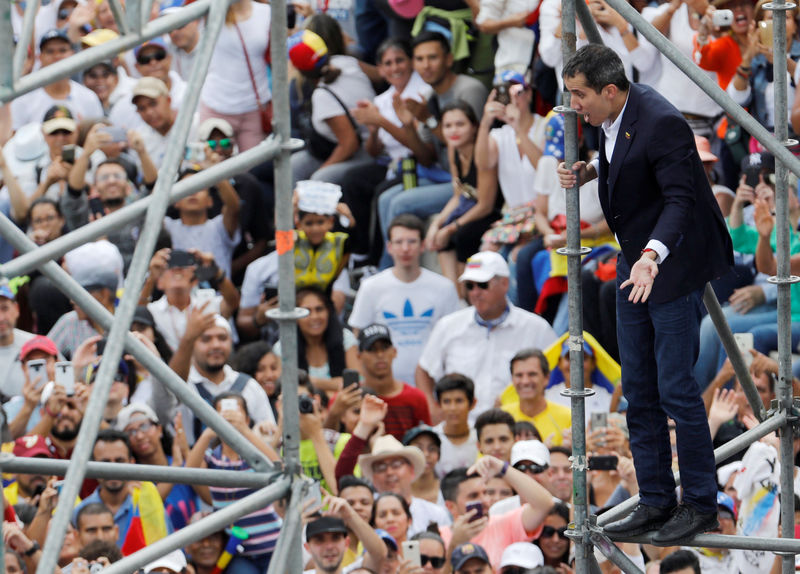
pixel 346 111
pixel 249 67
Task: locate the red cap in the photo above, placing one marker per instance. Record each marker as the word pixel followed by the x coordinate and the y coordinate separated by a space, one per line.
pixel 38 343
pixel 31 445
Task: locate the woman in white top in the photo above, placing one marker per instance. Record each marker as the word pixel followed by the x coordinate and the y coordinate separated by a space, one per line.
pixel 237 70
pixel 339 84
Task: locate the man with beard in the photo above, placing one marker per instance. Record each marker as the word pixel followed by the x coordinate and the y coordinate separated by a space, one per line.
pixel 115 493
pixel 201 359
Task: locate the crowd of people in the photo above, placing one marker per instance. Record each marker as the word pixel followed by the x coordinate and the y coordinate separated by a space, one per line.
pixel 428 211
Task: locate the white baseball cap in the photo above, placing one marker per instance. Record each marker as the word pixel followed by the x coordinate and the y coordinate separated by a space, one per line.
pixel 483 266
pixel 532 450
pixel 523 554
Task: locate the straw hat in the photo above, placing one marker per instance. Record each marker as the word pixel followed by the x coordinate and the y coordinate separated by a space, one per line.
pixel 387 447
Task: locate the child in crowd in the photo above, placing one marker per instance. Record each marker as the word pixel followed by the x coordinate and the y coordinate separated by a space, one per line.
pixel 455 395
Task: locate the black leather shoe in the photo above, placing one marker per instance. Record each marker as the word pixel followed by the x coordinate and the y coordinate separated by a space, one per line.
pixel 643 519
pixel 684 524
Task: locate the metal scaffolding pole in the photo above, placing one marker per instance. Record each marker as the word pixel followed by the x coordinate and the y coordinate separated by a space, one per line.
pixel 173 474
pixel 6 45
pixel 784 392
pixel 613 553
pixel 584 554
pixel 54 250
pixel 24 41
pixel 214 522
pixel 734 353
pixel 119 16
pixel 587 23
pixel 290 533
pixel 133 285
pixel 777 545
pixel 772 424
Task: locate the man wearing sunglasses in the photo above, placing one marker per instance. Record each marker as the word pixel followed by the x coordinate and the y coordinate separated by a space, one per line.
pixel 153 61
pixel 479 341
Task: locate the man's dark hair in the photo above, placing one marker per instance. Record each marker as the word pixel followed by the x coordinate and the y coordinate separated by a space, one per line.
pixel 452 480
pixel 112 161
pixel 493 417
pixel 454 382
pixel 92 509
pixel 600 65
pixel 680 560
pixel 97 548
pixel 526 426
pixel 429 36
pixel 408 221
pixel 350 481
pixel 112 435
pixel 562 449
pixel 526 354
pixel 45 201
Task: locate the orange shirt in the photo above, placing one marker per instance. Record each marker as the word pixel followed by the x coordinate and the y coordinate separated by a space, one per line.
pixel 721 56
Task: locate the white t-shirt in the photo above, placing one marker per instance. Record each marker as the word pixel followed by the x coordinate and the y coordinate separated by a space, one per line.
pixel 228 88
pixel 410 310
pixel 458 344
pixel 123 113
pixel 31 107
pixel 681 92
pixel 514 171
pixel 515 44
pixel 423 512
pixel 211 237
pixel 454 456
pixel 11 367
pixel 171 321
pixel 351 85
pixel 600 401
pixel 413 90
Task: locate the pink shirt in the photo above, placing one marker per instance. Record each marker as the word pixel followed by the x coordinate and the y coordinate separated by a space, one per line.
pixel 501 531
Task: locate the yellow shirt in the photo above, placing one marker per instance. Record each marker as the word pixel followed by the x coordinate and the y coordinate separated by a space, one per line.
pixel 551 422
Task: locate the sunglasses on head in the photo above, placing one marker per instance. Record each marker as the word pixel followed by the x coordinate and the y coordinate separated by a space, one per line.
pixel 470 285
pixel 223 143
pixel 147 58
pixel 548 531
pixel 436 561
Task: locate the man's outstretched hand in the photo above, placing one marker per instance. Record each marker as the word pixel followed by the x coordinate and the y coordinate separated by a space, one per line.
pixel 643 274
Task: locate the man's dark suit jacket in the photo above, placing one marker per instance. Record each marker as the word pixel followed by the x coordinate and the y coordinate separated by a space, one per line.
pixel 656 188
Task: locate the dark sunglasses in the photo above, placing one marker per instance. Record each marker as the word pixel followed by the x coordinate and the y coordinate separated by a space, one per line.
pixel 98 75
pixel 548 531
pixel 223 143
pixel 60 133
pixel 470 285
pixel 64 13
pixel 436 561
pixel 530 466
pixel 146 59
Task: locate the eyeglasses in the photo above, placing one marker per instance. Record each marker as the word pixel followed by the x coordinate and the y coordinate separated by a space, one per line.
pixel 396 464
pixel 114 176
pixel 142 428
pixel 223 143
pixel 60 133
pixel 436 561
pixel 45 219
pixel 530 467
pixel 548 531
pixel 470 285
pixel 145 59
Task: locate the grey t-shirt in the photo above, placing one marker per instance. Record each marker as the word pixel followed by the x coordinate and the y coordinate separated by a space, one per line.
pixel 464 88
pixel 11 376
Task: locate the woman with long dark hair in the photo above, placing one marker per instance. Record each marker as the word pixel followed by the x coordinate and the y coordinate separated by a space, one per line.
pixel 324 347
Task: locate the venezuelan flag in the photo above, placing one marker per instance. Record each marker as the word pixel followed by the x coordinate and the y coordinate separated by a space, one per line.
pixel 148 522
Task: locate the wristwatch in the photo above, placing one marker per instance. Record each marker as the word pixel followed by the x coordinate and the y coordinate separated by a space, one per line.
pixel 432 123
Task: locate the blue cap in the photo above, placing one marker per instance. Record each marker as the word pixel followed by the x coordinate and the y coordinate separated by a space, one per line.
pixel 467 552
pixel 725 502
pixel 54 34
pixel 510 77
pixel 158 42
pixel 387 538
pixel 587 350
pixel 5 291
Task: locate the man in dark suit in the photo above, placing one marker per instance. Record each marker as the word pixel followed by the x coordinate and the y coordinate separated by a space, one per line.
pixel 657 200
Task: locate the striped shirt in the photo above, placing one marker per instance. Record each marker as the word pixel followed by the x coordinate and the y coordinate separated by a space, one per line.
pixel 263 525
